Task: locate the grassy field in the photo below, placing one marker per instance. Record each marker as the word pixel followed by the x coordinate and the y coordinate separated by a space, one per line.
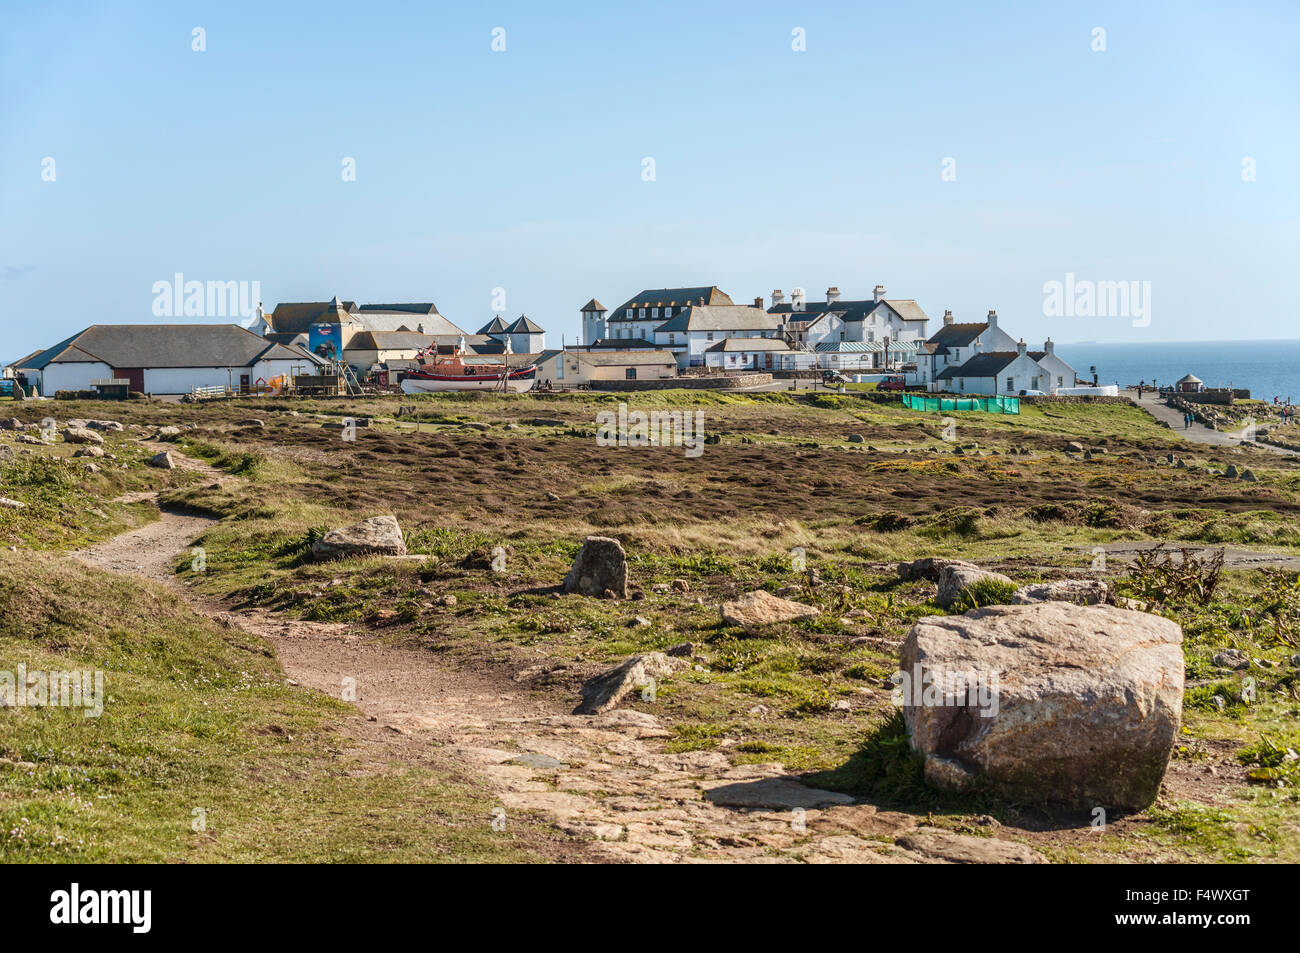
pixel 820 494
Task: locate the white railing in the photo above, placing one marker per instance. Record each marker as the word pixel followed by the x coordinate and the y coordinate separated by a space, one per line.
pixel 216 390
pixel 111 381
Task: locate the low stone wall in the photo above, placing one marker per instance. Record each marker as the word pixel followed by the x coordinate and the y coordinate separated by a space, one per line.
pixel 719 382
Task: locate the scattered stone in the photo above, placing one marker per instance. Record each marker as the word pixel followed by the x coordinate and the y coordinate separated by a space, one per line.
pixel 544 422
pixel 8 504
pixel 1249 476
pixel 929 568
pixel 1089 717
pixel 1083 592
pixel 13 423
pixel 608 690
pixel 955 581
pixel 553 497
pixel 1075 447
pixel 640 622
pixel 763 608
pixel 448 600
pixel 163 461
pixel 251 422
pixel 167 433
pixel 1231 473
pixel 600 568
pixel 112 425
pixel 379 535
pixel 1232 658
pixel 856 438
pixel 81 435
pixel 681 650
pixel 681 585
pixel 89 451
pixel 542 762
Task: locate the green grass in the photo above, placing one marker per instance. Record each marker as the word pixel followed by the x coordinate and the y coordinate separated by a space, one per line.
pixel 198 721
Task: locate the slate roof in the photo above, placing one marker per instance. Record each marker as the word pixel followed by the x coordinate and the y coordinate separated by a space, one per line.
pixel 522 325
pixel 297 316
pixel 658 297
pixel 750 344
pixel 426 307
pixel 495 326
pixel 957 335
pixel 620 343
pixel 615 358
pixel 389 341
pixel 988 364
pixel 593 305
pixel 907 308
pixel 23 361
pixel 166 345
pixel 735 317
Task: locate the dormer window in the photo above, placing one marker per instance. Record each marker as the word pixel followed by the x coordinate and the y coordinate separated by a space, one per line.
pixel 654 312
pixel 642 313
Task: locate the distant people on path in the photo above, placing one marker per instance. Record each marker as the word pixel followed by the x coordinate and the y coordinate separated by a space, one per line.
pixel 1187 421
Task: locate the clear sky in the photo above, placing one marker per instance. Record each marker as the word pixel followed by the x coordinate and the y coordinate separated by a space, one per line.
pixel 523 169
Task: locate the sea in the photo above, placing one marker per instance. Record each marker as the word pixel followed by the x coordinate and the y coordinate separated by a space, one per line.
pixel 1267 369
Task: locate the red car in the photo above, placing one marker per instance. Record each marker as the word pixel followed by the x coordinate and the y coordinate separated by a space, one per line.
pixel 891 383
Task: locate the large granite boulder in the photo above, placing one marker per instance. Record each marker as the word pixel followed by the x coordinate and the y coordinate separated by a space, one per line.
pixel 379 535
pixel 1083 592
pixel 955 582
pixel 762 608
pixel 929 568
pixel 1053 703
pixel 600 568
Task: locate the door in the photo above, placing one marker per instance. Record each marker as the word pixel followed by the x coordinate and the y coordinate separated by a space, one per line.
pixel 135 375
pixel 243 383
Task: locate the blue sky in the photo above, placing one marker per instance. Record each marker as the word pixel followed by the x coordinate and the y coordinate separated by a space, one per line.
pixel 522 169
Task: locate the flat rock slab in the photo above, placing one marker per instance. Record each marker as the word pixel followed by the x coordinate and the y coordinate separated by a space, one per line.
pixel 379 535
pixel 943 846
pixel 1083 592
pixel 763 608
pixel 774 794
pixel 608 690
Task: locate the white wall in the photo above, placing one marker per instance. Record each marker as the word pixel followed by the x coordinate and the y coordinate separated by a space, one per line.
pixel 58 377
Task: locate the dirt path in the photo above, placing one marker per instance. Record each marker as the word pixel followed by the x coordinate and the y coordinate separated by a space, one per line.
pixel 606 780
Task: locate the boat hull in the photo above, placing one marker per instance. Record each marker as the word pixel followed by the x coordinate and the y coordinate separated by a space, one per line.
pixel 420 382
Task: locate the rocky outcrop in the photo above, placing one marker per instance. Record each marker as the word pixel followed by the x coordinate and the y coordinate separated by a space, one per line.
pixel 377 536
pixel 762 608
pixel 955 582
pixel 608 690
pixel 163 461
pixel 1083 592
pixel 600 569
pixel 1075 706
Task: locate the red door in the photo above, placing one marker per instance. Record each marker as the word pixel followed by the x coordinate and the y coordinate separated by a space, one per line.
pixel 133 374
pixel 243 383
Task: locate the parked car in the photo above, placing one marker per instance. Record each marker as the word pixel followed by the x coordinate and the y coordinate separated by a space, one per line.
pixel 1032 393
pixel 891 383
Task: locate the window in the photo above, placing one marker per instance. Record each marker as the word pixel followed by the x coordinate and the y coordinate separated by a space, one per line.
pixel 1011 383
pixel 642 312
pixel 654 312
pixel 668 311
pixel 629 374
pixel 1060 381
pixel 672 339
pixel 630 314
pixel 709 336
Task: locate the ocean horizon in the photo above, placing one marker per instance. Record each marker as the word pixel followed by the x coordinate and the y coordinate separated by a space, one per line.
pixel 1267 368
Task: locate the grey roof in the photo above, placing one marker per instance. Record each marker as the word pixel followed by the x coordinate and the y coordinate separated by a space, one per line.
pixel 522 325
pixel 495 326
pixel 658 297
pixel 166 345
pixel 23 362
pixel 957 335
pixel 389 341
pixel 907 308
pixel 624 344
pixel 593 305
pixel 988 364
pixel 425 307
pixel 300 315
pixel 607 358
pixel 750 344
pixel 1190 379
pixel 734 317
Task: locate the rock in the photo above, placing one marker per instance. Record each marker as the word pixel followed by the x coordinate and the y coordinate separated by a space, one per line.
pixel 1083 592
pixel 682 650
pixel 855 438
pixel 544 422
pixel 681 585
pixel 600 567
pixel 8 504
pixel 448 600
pixel 90 468
pixel 1075 447
pixel 111 425
pixel 251 422
pixel 553 497
pixel 379 535
pixel 929 568
pixel 167 433
pixel 81 435
pixel 1232 658
pixel 27 438
pixel 949 847
pixel 1079 706
pixel 640 622
pixel 13 423
pixel 163 461
pixel 1249 476
pixel 1231 473
pixel 608 690
pixel 763 608
pixel 954 581
pixel 778 794
pixel 89 451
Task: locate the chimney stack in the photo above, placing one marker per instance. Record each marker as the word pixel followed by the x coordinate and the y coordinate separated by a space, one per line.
pixel 947 318
pixel 796 299
pixel 778 298
pixel 832 294
pixel 758 302
pixel 1049 346
pixel 993 319
pixel 1021 347
pixel 880 292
